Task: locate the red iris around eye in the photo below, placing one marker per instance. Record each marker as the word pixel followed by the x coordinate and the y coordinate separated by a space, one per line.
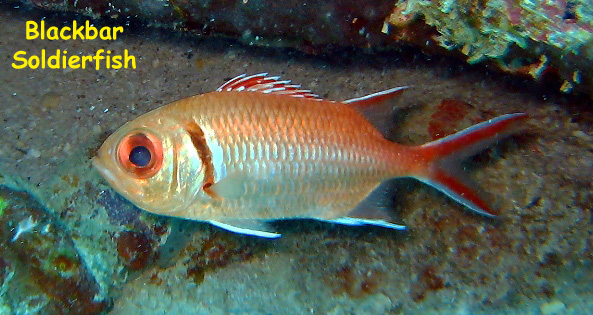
pixel 140 154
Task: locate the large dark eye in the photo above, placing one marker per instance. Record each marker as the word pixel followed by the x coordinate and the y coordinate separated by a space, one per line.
pixel 141 154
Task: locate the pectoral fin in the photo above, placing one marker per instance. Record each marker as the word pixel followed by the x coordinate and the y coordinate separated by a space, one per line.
pixel 232 186
pixel 248 226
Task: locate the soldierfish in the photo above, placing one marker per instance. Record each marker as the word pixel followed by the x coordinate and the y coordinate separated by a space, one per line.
pixel 260 149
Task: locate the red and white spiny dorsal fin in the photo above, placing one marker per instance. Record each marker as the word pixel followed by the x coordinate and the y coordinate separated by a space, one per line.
pixel 261 83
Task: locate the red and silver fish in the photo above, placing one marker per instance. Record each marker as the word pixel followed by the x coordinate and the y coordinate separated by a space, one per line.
pixel 260 149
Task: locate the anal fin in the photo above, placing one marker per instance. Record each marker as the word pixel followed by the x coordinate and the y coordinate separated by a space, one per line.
pixel 373 210
pixel 376 222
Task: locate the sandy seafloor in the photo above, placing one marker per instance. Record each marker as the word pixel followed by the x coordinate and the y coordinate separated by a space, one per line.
pixel 536 258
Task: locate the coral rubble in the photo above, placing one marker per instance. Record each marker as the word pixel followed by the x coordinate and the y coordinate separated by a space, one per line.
pixel 41 270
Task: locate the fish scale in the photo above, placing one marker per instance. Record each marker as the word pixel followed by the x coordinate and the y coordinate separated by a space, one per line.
pixel 338 165
pixel 259 149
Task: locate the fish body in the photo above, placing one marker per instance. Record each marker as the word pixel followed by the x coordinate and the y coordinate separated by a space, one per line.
pixel 260 149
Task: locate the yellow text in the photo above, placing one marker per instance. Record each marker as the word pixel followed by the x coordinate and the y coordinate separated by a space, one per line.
pixel 60 60
pixel 86 31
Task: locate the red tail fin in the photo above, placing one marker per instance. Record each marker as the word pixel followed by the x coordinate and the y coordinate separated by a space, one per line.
pixel 446 154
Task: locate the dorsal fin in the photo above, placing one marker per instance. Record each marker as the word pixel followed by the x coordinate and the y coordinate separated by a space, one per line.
pixel 375 98
pixel 379 109
pixel 263 84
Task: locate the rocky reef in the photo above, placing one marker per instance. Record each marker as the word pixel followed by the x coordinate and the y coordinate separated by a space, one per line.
pixel 538 39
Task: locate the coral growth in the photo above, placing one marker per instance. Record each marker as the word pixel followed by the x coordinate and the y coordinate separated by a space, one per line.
pixel 356 281
pixel 522 37
pixel 218 250
pixel 135 249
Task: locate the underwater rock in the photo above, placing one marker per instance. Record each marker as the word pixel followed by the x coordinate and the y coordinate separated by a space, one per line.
pixel 135 249
pixel 218 250
pixel 117 211
pixel 527 38
pixel 41 270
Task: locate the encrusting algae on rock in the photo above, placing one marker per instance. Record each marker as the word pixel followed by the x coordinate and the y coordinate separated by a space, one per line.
pixel 38 259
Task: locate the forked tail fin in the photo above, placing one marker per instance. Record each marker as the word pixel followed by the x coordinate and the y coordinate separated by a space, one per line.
pixel 444 156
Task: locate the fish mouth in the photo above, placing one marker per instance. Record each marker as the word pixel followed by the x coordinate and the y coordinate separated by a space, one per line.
pixel 99 166
pixel 120 184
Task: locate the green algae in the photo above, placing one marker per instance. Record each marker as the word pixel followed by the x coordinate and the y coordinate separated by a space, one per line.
pixel 3 205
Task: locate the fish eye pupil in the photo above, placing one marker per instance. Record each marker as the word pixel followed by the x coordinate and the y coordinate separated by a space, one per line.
pixel 140 156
